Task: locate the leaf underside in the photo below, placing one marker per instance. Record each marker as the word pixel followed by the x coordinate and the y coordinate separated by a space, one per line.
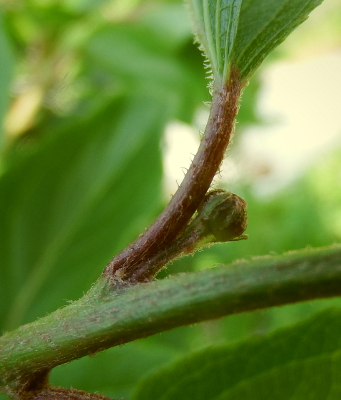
pixel 241 33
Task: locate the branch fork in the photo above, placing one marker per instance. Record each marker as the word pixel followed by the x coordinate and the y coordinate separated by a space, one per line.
pixel 141 260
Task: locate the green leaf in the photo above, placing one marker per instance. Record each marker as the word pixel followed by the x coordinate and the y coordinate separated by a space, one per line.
pixel 75 201
pixel 216 24
pixel 114 372
pixel 300 362
pixel 6 66
pixel 142 58
pixel 170 24
pixel 241 33
pixel 263 25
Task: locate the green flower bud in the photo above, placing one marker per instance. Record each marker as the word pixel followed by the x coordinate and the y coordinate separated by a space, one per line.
pixel 224 215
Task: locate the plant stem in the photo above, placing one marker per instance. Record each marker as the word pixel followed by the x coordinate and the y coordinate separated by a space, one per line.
pixel 128 264
pixel 221 217
pixel 104 318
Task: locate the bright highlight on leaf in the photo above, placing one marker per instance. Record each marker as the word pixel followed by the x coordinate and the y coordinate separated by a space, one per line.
pixel 241 33
pixel 6 69
pixel 301 362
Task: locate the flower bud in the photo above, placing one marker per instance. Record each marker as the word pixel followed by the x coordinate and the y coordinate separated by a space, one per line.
pixel 224 215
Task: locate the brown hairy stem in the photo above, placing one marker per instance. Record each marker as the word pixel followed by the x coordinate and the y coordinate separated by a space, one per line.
pixel 127 264
pixel 221 217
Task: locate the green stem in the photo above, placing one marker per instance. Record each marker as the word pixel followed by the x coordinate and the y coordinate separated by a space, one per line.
pixel 103 318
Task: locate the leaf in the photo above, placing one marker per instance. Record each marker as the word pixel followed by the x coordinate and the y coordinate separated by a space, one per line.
pixel 6 67
pixel 71 204
pixel 241 33
pixel 263 25
pixel 138 58
pixel 216 24
pixel 114 372
pixel 170 25
pixel 300 362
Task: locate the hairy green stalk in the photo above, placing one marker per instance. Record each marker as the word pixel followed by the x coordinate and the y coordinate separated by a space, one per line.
pixel 104 318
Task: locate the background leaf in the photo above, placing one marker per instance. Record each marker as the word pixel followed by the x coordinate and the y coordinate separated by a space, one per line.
pixel 298 363
pixel 81 191
pixel 141 58
pixel 6 69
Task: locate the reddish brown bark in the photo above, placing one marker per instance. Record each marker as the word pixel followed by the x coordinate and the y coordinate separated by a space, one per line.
pixel 130 262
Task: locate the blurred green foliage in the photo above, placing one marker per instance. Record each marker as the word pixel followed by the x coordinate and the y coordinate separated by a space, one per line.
pixel 94 84
pixel 6 69
pixel 259 369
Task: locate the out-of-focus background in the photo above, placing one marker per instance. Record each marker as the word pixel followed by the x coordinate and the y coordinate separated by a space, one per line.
pixel 101 105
